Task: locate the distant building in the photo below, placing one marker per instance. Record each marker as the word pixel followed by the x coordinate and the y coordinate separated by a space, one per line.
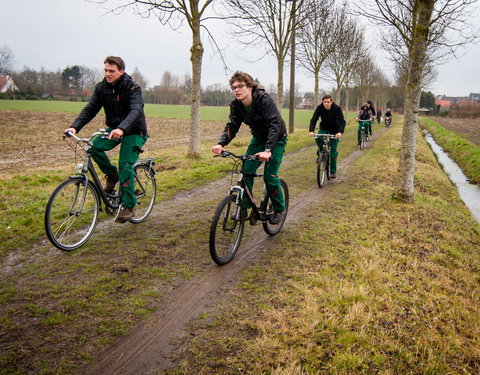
pixel 7 84
pixel 474 97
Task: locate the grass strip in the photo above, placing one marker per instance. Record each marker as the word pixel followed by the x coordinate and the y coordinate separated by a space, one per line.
pixel 361 285
pixel 466 154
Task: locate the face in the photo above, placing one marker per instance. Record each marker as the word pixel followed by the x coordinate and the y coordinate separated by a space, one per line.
pixel 327 103
pixel 112 73
pixel 242 92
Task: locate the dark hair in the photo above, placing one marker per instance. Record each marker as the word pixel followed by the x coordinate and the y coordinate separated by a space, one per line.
pixel 328 96
pixel 115 60
pixel 243 77
pixel 369 102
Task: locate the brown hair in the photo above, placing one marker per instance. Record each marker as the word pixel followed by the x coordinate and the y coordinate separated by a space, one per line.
pixel 328 96
pixel 243 77
pixel 115 60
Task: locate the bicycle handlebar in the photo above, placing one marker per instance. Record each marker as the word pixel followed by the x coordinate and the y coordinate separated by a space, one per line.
pixel 102 132
pixel 225 154
pixel 324 136
pixel 363 120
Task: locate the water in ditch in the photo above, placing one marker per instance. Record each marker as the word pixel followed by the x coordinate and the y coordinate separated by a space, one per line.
pixel 470 193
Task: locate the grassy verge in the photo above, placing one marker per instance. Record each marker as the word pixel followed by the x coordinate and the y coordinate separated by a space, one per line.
pixel 361 285
pixel 466 154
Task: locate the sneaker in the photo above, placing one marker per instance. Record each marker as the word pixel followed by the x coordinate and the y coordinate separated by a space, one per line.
pixel 125 215
pixel 333 175
pixel 112 180
pixel 277 217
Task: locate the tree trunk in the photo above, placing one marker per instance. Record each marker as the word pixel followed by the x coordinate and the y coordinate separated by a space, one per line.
pixel 196 54
pixel 280 85
pixel 405 182
pixel 315 90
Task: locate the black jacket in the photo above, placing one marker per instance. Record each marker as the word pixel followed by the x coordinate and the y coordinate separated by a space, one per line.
pixel 263 118
pixel 331 120
pixel 122 103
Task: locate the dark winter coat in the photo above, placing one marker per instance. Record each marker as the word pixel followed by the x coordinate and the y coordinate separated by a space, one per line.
pixel 262 116
pixel 331 120
pixel 122 103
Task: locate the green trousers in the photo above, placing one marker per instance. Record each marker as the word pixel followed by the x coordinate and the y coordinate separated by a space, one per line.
pixel 333 149
pixel 130 147
pixel 270 176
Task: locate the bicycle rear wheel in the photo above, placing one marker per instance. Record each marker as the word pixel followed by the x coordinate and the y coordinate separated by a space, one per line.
pixel 145 192
pixel 226 230
pixel 273 229
pixel 72 214
pixel 321 170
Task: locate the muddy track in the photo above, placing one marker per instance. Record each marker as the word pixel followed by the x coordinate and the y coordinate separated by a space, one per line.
pixel 152 345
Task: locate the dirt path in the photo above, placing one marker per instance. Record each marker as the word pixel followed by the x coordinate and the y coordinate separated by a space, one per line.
pixel 152 345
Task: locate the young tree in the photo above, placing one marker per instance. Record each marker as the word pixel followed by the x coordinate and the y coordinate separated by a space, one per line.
pixel 174 13
pixel 6 60
pixel 429 31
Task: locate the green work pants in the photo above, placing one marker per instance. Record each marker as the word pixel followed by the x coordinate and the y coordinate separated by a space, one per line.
pixel 333 149
pixel 270 176
pixel 130 147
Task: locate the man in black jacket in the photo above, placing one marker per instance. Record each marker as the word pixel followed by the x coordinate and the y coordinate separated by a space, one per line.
pixel 332 122
pixel 122 101
pixel 257 109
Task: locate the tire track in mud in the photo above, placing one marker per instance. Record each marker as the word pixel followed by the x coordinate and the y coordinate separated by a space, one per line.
pixel 150 347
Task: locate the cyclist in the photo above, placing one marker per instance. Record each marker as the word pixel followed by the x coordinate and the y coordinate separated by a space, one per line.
pixel 257 109
pixel 332 122
pixel 379 115
pixel 388 115
pixel 372 109
pixel 122 101
pixel 364 114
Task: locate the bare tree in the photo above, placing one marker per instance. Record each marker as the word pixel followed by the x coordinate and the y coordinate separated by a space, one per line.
pixel 174 13
pixel 139 78
pixel 430 30
pixel 267 24
pixel 6 60
pixel 317 39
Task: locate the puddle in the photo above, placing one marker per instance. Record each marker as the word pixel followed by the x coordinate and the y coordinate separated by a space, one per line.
pixel 470 193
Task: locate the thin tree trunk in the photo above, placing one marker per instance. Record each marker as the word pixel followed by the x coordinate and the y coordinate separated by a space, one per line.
pixel 280 85
pixel 315 90
pixel 196 54
pixel 405 182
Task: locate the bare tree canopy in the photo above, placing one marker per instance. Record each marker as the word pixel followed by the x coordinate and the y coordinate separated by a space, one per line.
pixel 269 25
pixel 6 60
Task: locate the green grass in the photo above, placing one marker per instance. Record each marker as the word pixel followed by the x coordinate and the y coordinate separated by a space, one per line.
pixel 466 154
pixel 207 113
pixel 360 285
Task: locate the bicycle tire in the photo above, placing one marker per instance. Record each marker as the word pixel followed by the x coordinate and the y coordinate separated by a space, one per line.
pixel 273 229
pixel 362 140
pixel 226 230
pixel 321 170
pixel 327 166
pixel 145 192
pixel 69 222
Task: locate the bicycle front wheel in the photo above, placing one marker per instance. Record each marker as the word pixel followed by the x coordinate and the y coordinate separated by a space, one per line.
pixel 321 170
pixel 145 192
pixel 273 229
pixel 226 230
pixel 72 214
pixel 362 140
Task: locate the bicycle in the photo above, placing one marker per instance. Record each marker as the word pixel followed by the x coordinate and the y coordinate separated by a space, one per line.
pixel 74 207
pixel 323 161
pixel 388 121
pixel 228 222
pixel 363 138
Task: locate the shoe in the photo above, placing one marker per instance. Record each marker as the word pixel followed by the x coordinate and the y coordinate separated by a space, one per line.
pixel 125 215
pixel 358 144
pixel 112 180
pixel 333 175
pixel 276 218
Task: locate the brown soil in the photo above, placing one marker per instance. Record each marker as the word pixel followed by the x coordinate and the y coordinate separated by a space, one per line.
pixel 466 127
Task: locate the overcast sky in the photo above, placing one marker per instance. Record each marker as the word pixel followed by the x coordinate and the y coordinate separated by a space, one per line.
pixel 55 34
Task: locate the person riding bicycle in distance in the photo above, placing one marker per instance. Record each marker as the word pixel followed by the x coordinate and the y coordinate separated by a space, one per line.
pixel 366 115
pixel 254 107
pixel 388 115
pixel 333 123
pixel 122 101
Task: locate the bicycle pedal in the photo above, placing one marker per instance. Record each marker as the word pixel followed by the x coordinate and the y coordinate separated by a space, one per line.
pixel 252 220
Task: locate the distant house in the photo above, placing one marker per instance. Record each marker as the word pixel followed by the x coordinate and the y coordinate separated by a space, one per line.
pixel 474 97
pixel 46 96
pixel 7 84
pixel 447 101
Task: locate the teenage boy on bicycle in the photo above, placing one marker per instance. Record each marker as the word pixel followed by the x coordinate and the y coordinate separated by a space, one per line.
pixel 366 115
pixel 122 101
pixel 254 107
pixel 333 123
